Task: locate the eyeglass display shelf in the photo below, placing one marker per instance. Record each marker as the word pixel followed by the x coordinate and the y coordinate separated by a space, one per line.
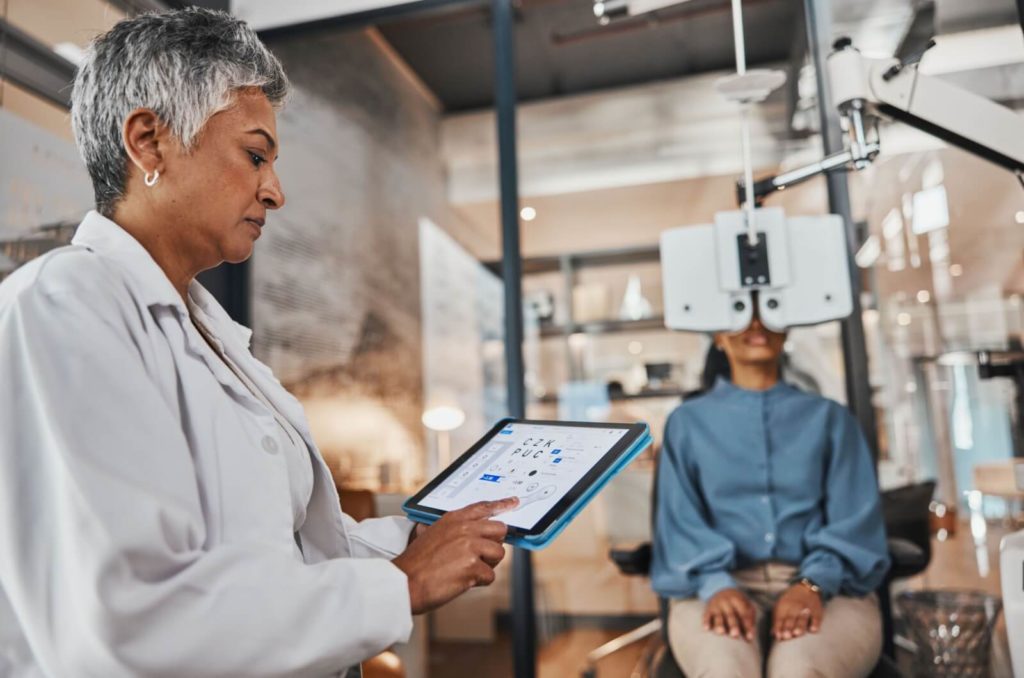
pixel 613 257
pixel 604 327
pixel 552 399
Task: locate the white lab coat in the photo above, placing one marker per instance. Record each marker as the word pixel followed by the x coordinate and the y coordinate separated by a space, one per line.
pixel 145 520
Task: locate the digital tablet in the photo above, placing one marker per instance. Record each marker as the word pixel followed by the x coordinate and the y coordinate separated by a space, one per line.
pixel 554 467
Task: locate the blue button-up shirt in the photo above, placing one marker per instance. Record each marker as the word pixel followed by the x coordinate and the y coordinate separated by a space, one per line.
pixel 753 476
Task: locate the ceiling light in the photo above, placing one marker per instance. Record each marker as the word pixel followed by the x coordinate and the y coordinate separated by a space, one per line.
pixel 528 213
pixel 903 319
pixel 956 270
pixel 924 296
pixel 1019 217
pixel 636 348
pixel 443 418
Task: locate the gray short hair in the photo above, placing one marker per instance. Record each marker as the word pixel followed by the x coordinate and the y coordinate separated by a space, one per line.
pixel 185 65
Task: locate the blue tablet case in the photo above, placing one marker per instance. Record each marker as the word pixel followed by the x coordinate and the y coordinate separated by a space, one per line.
pixel 537 542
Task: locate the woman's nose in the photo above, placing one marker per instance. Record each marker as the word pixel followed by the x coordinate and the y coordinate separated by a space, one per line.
pixel 271 194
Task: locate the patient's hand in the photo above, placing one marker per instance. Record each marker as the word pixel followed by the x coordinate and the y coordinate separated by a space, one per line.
pixel 797 611
pixel 730 612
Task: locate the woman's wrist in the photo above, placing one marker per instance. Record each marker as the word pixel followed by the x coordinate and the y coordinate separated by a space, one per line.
pixel 808 584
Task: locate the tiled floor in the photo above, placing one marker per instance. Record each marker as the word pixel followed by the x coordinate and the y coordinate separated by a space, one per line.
pixel 954 565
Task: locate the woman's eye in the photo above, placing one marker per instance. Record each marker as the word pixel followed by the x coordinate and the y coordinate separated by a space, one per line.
pixel 256 158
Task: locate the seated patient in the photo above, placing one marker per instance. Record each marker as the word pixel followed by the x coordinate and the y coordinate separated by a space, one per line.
pixel 768 536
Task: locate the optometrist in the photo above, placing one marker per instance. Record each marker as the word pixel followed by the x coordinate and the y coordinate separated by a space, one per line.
pixel 163 508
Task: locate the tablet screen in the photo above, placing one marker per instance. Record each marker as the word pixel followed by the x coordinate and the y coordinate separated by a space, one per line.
pixel 539 463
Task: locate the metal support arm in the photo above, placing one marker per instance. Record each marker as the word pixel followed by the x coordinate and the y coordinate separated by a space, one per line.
pixel 843 160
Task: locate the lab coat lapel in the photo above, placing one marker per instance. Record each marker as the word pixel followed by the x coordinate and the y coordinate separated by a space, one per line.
pixel 197 346
pixel 323 533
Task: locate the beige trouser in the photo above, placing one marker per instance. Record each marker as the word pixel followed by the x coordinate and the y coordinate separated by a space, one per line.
pixel 847 645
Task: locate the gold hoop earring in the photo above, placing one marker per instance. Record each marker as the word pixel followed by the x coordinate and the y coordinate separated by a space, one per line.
pixel 151 182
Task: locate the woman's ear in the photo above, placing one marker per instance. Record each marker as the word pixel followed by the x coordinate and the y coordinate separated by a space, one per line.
pixel 144 138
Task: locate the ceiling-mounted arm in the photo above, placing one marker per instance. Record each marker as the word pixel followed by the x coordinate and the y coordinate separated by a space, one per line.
pixel 865 89
pixel 894 89
pixel 842 160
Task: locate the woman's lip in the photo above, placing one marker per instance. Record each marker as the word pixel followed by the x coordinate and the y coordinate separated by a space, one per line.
pixel 757 340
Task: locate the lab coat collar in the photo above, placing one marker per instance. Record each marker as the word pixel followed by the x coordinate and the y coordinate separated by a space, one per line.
pixel 154 288
pixel 212 310
pixel 103 236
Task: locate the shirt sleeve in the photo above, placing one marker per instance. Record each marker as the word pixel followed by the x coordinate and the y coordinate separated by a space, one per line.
pixel 385 537
pixel 103 551
pixel 689 557
pixel 849 553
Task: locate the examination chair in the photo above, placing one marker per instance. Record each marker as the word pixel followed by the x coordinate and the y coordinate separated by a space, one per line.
pixel 905 511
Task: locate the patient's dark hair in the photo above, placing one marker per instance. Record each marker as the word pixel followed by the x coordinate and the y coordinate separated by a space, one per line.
pixel 716 364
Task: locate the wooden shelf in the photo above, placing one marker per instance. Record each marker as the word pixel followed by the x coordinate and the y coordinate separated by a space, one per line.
pixel 653 393
pixel 627 255
pixel 605 327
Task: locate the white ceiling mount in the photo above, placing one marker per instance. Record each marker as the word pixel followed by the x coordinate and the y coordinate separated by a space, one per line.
pixel 754 86
pixel 265 15
pixel 644 6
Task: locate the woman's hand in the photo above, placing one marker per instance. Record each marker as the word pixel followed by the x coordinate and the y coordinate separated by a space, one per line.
pixel 417 530
pixel 454 554
pixel 730 612
pixel 797 611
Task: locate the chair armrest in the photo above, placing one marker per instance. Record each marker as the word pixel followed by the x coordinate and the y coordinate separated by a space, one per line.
pixel 634 561
pixel 907 558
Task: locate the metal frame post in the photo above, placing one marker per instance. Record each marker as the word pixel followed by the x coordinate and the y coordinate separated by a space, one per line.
pixel 524 636
pixel 818 14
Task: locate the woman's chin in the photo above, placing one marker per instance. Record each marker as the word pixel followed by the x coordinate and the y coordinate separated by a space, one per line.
pixel 760 354
pixel 239 252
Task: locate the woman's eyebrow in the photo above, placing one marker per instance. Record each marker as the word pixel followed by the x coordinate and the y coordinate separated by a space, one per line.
pixel 264 133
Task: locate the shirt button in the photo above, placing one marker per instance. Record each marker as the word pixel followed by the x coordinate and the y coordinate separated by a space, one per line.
pixel 269 445
pixel 769 537
pixel 765 499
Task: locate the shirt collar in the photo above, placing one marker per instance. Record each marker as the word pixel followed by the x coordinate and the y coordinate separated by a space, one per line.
pixel 103 236
pixel 725 387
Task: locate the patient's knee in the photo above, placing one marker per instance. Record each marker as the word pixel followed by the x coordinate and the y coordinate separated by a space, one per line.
pixel 723 671
pixel 723 664
pixel 795 669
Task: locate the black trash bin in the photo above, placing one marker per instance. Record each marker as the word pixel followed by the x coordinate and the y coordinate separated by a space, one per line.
pixel 952 630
